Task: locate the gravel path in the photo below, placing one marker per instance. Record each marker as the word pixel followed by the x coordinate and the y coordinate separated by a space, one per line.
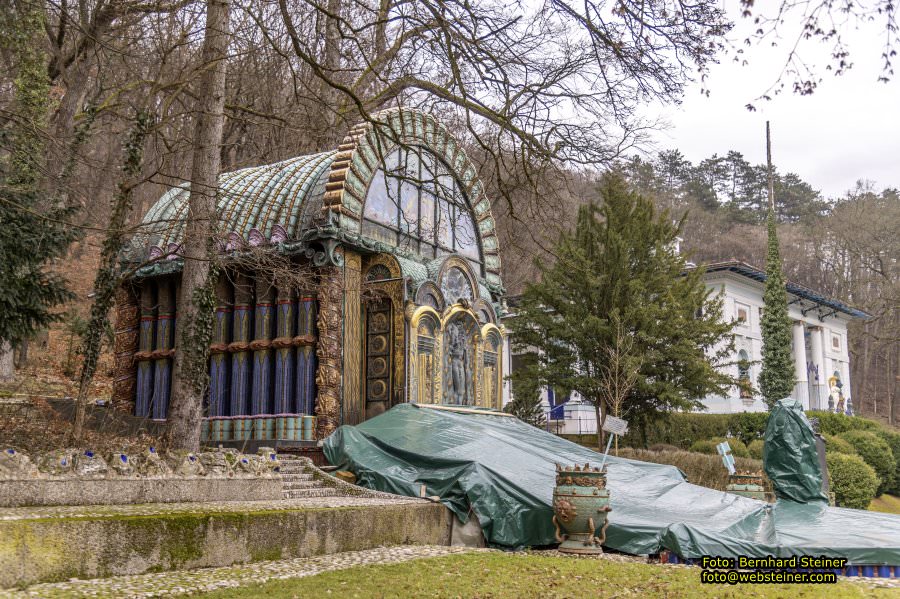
pixel 209 579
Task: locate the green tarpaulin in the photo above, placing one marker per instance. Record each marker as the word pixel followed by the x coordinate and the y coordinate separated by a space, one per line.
pixel 504 471
pixel 790 457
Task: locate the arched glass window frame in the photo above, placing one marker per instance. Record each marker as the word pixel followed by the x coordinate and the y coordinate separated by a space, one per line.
pixel 401 232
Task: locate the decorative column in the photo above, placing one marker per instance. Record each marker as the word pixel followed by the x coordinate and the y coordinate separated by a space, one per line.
pixel 126 345
pixel 305 396
pixel 845 378
pixel 163 351
pixel 240 344
pixel 353 408
pixel 283 345
pixel 261 390
pixel 328 351
pixel 146 335
pixel 219 379
pixel 801 384
pixel 818 377
pixel 507 370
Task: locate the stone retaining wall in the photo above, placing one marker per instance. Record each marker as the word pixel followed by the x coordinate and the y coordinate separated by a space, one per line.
pixel 73 491
pixel 46 549
pixel 76 477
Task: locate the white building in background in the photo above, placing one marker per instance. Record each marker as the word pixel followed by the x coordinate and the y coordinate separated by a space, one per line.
pixel 820 344
pixel 820 350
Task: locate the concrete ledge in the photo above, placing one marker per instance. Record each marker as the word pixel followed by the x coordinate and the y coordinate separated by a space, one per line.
pixel 117 491
pixel 50 549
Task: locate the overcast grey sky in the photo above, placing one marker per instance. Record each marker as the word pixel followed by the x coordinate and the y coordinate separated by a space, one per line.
pixel 849 129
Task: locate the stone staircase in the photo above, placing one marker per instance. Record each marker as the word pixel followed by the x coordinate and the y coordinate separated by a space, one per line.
pixel 300 482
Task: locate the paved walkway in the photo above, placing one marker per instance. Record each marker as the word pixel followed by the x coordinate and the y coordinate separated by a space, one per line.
pixel 209 579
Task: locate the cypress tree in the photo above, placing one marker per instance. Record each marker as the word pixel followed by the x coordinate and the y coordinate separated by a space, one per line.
pixel 619 274
pixel 776 379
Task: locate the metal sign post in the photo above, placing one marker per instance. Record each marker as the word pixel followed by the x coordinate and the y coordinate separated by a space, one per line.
pixel 614 426
pixel 724 450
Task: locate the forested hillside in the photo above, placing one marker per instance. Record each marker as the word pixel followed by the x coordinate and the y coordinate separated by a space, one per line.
pixel 846 247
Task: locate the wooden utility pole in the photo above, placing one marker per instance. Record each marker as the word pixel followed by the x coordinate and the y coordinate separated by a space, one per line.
pixel 769 168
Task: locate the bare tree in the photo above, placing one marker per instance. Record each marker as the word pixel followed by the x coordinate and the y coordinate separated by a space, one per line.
pixel 196 301
pixel 617 377
pixel 800 24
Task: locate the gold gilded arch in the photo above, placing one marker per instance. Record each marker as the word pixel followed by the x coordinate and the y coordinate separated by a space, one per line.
pixel 430 371
pixel 425 342
pixel 491 366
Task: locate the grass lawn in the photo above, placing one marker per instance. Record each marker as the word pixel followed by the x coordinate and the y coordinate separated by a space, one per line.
pixel 514 575
pixel 888 504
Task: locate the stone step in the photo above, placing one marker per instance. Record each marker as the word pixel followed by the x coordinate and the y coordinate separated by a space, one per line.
pixel 296 477
pixel 307 493
pixel 292 470
pixel 303 484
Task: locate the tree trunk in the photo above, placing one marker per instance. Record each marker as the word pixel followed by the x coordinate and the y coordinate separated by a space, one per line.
pixel 7 362
pixel 601 419
pixel 331 61
pixel 186 406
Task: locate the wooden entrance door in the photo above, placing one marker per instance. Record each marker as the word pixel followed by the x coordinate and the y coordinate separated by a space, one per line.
pixel 378 356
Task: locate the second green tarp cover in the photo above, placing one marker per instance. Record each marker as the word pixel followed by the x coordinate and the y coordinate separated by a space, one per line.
pixel 503 470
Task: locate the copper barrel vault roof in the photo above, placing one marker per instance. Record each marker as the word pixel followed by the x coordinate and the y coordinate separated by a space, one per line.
pixel 292 196
pixel 287 193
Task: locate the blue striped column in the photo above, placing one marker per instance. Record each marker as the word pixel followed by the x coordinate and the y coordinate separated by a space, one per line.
pixel 261 391
pixel 144 389
pixel 284 351
pixel 163 351
pixel 219 372
pixel 240 345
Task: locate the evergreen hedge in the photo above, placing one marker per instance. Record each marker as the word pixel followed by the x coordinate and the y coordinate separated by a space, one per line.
pixel 756 449
pixel 876 453
pixel 893 439
pixel 853 481
pixel 835 444
pixel 682 429
pixel 835 424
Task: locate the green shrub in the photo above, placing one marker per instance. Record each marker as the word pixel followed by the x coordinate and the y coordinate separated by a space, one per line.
pixel 756 449
pixel 837 445
pixel 700 469
pixel 708 446
pixel 835 424
pixel 705 446
pixel 893 440
pixel 853 481
pixel 748 426
pixel 738 448
pixel 876 453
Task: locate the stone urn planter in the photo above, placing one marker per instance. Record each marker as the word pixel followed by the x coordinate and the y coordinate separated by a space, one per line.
pixel 580 509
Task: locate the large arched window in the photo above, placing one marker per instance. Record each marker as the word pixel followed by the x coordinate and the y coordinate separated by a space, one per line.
pixel 415 203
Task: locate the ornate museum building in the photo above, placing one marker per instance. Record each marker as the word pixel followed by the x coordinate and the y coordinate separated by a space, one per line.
pixel 400 301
